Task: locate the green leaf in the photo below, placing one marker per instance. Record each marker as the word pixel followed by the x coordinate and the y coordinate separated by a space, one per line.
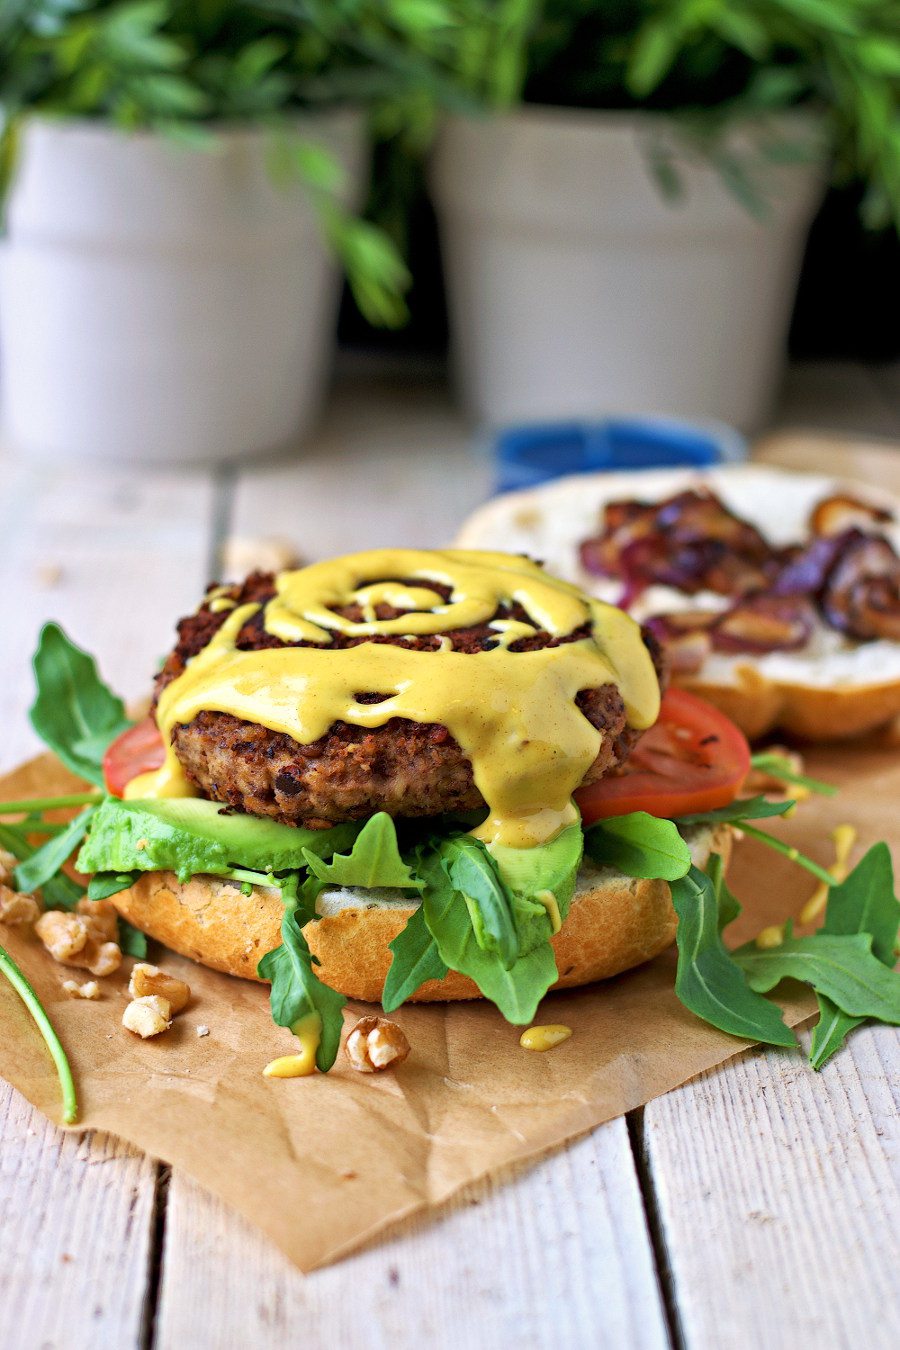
pixel 863 903
pixel 727 902
pixel 780 767
pixel 708 981
pixel 748 808
pixel 640 845
pixel 187 835
pixel 297 992
pixel 47 861
pixel 517 991
pixel 473 875
pixel 60 891
pixel 104 884
pixel 373 861
pixel 841 967
pixel 415 959
pixel 132 941
pixel 74 713
pixel 18 981
pixel 527 873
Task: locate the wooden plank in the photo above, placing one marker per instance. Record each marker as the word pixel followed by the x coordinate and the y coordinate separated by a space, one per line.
pixel 554 1255
pixel 387 468
pixel 76 1238
pixel 117 559
pixel 777 1196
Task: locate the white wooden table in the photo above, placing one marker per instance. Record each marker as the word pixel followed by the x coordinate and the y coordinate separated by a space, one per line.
pixel 756 1206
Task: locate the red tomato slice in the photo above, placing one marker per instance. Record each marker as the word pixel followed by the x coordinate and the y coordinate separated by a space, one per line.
pixel 138 750
pixel 692 759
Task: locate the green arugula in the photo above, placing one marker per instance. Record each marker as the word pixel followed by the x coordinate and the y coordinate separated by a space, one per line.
pixel 516 991
pixel 296 991
pixel 473 876
pixel 22 987
pixel 373 861
pixel 864 903
pixel 415 959
pixel 842 967
pixel 779 766
pixel 708 980
pixel 60 891
pixel 104 884
pixel 737 812
pixel 48 860
pixel 640 845
pixel 75 713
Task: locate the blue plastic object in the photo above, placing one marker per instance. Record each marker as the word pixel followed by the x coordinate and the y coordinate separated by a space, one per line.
pixel 531 454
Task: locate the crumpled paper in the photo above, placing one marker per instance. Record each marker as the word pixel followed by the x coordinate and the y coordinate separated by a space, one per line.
pixel 324 1163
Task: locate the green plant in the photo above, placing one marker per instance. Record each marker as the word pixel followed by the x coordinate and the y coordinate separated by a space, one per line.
pixel 187 67
pixel 706 64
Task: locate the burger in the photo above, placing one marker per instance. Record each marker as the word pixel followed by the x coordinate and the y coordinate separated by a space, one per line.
pixel 411 775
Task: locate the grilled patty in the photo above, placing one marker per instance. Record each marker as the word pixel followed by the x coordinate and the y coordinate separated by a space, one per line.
pixel 405 768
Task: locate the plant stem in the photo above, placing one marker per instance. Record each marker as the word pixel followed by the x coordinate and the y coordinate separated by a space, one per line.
pixel 50 803
pixel 45 1026
pixel 788 852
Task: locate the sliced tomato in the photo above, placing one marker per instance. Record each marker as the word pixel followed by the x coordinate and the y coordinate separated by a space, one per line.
pixel 138 750
pixel 692 759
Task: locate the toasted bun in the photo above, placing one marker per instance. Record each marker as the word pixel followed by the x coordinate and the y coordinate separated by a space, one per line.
pixel 831 689
pixel 615 922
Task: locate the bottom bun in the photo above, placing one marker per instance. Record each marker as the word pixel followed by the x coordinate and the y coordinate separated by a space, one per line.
pixel 614 922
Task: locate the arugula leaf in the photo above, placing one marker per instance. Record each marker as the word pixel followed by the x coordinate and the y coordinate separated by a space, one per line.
pixel 18 981
pixel 47 861
pixel 296 990
pixel 415 959
pixel 640 845
pixel 528 872
pixel 748 808
pixel 779 766
pixel 74 713
pixel 472 875
pixel 60 891
pixel 840 966
pixel 104 884
pixel 863 903
pixel 708 981
pixel 373 861
pixel 132 941
pixel 727 901
pixel 517 991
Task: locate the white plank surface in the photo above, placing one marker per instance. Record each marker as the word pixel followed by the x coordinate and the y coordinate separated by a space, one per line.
pixel 555 1255
pixel 778 1193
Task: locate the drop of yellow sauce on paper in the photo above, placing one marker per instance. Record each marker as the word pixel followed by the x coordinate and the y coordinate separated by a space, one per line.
pixel 544 1038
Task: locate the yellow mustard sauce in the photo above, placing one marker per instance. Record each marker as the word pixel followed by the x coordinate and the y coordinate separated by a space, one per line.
pixel 544 1038
pixel 513 713
pixel 308 1032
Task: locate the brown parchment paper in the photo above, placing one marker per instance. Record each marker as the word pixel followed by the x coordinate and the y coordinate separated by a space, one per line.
pixel 323 1163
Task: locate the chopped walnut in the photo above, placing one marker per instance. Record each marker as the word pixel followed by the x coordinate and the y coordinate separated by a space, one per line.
pixel 147 979
pixel 90 989
pixel 375 1043
pixel 148 1016
pixel 18 908
pixel 7 866
pixel 76 940
pixel 102 919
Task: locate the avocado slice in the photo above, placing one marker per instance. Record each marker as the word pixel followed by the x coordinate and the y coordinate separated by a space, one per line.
pixel 187 835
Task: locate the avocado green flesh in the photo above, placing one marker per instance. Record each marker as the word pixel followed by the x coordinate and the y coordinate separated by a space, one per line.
pixel 187 835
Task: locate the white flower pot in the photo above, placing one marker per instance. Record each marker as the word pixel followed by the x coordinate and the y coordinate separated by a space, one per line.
pixel 576 288
pixel 160 303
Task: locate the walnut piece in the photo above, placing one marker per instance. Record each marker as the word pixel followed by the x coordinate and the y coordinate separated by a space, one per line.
pixel 147 980
pixel 148 1016
pixel 90 989
pixel 375 1043
pixel 102 919
pixel 79 940
pixel 7 866
pixel 17 908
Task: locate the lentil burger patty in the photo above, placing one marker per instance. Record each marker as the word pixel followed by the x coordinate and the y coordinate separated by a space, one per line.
pixel 405 768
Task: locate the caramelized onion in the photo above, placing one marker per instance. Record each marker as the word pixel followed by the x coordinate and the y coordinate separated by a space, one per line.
pixel 765 623
pixel 837 514
pixel 862 593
